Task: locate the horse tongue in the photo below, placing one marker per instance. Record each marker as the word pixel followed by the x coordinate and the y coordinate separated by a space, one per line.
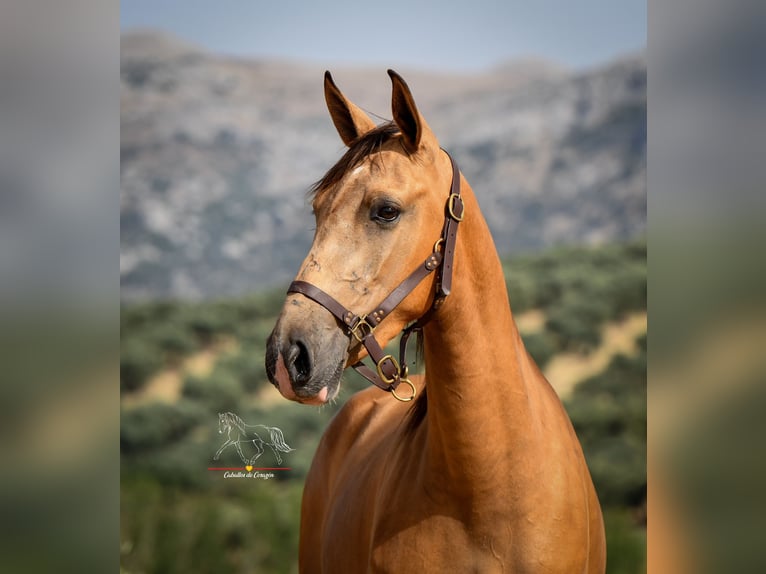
pixel 283 379
pixel 320 399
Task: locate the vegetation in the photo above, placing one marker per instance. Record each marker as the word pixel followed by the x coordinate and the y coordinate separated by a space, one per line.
pixel 179 517
pixel 579 289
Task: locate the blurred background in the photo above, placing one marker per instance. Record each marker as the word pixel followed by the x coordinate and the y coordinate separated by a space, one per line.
pixel 223 128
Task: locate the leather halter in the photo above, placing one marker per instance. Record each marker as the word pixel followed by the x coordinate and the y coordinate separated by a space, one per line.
pixel 389 372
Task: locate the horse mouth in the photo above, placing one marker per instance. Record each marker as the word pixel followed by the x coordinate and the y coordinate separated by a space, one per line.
pixel 322 387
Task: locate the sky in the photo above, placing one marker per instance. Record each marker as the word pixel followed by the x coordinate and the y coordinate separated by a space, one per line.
pixel 431 35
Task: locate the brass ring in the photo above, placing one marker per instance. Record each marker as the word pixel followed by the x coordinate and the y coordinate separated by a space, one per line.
pixel 436 245
pixel 405 399
pixel 362 322
pixel 382 376
pixel 451 207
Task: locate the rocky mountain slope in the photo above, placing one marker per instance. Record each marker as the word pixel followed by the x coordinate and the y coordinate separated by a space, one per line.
pixel 217 154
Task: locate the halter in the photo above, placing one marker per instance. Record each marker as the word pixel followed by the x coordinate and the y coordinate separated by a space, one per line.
pixel 389 372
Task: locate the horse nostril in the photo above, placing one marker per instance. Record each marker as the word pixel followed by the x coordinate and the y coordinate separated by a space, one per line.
pixel 302 363
pixel 299 362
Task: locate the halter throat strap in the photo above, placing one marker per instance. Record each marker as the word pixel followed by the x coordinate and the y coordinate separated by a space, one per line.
pixel 389 372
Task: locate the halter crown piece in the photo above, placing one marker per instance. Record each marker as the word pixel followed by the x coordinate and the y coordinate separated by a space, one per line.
pixel 389 372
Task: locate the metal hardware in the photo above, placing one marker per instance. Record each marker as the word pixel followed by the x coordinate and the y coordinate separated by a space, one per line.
pixel 362 322
pixel 381 374
pixel 451 207
pixel 405 399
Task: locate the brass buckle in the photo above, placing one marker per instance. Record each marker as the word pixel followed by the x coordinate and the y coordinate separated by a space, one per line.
pixel 451 207
pixel 361 322
pixel 405 399
pixel 379 368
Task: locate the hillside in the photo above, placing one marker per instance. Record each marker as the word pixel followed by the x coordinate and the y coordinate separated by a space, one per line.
pixel 217 153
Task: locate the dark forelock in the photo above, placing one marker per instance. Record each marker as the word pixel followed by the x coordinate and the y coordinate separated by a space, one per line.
pixel 361 148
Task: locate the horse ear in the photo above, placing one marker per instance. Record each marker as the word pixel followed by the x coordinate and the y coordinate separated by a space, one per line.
pixel 406 115
pixel 350 121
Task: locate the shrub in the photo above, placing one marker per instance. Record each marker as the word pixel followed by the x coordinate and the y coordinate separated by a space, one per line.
pixel 261 305
pixel 156 424
pixel 628 289
pixel 247 367
pixel 207 320
pixel 218 393
pixel 603 282
pixel 138 361
pixel 625 543
pixel 171 338
pixel 522 290
pixel 608 412
pixel 575 323
pixel 173 530
pixel 540 346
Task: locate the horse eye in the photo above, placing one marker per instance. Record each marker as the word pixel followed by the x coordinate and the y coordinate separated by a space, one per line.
pixel 385 213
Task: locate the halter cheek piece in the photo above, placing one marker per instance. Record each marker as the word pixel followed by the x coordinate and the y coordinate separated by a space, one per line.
pixel 389 373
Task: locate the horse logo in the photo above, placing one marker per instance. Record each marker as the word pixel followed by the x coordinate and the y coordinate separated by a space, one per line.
pixel 239 433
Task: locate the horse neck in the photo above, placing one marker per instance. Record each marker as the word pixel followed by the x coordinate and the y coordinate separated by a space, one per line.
pixel 478 374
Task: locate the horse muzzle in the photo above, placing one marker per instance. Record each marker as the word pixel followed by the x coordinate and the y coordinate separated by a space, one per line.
pixel 305 365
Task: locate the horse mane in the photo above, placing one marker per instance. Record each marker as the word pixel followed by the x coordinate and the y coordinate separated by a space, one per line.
pixel 363 147
pixel 417 413
pixel 234 419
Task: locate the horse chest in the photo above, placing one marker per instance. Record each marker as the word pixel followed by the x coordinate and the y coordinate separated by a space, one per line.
pixel 384 510
pixel 379 513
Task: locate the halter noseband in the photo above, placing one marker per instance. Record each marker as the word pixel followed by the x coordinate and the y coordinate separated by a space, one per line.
pixel 389 372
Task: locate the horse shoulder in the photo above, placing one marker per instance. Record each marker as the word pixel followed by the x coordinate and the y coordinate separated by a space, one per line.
pixel 349 430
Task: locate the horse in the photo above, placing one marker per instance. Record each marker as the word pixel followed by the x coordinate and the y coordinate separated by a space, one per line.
pixel 232 424
pixel 473 466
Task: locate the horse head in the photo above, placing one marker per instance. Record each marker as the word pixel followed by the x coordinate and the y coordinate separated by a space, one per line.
pixel 378 212
pixel 223 423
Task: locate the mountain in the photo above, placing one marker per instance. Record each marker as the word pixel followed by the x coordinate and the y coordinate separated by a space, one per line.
pixel 217 154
